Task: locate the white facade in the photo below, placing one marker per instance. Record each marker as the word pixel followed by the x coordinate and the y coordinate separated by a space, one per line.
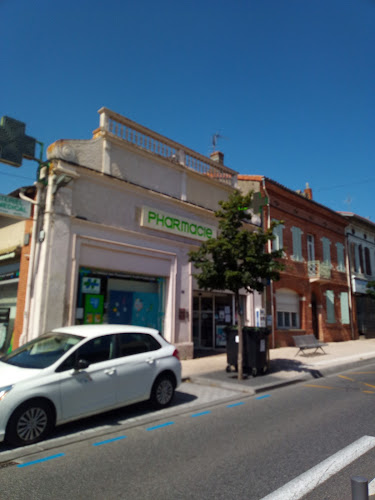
pixel 360 235
pixel 121 212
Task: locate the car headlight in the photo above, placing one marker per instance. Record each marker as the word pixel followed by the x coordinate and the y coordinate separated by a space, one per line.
pixel 4 391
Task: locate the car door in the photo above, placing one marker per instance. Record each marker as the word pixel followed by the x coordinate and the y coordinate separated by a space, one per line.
pixel 137 366
pixel 92 389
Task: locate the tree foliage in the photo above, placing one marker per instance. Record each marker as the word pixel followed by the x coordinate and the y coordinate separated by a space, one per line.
pixel 371 289
pixel 237 259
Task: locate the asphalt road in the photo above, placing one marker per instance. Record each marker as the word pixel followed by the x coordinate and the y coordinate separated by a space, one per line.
pixel 240 447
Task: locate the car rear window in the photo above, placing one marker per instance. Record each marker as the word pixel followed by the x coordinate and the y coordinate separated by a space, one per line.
pixel 136 343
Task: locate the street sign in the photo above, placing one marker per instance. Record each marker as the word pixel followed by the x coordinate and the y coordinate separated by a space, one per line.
pixel 14 143
pixel 14 207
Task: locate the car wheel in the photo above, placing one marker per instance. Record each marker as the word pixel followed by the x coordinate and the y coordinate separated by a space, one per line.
pixel 31 422
pixel 162 392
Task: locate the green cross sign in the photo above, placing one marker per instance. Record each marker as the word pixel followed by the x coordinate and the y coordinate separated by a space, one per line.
pixel 14 143
pixel 258 202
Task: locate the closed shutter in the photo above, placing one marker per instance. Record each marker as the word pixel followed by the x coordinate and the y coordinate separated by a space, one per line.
pixel 330 296
pixel 340 257
pixel 297 245
pixel 326 251
pixel 344 303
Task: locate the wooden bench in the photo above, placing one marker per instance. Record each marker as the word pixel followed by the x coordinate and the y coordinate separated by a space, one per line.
pixel 308 342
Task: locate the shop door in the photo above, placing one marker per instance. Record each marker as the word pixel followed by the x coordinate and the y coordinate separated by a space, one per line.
pixel 211 314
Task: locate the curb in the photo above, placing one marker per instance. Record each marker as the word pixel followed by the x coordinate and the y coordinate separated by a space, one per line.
pixel 313 374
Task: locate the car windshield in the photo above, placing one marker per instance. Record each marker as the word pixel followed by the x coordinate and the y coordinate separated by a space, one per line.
pixel 43 351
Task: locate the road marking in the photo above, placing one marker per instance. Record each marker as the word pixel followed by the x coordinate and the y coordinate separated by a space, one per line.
pixel 26 464
pixel 159 426
pixel 368 385
pixel 320 386
pixel 369 392
pixel 200 414
pixel 235 404
pixel 265 396
pixel 346 378
pixel 308 481
pixel 108 441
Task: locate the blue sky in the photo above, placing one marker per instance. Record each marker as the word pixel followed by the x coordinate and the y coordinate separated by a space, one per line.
pixel 290 84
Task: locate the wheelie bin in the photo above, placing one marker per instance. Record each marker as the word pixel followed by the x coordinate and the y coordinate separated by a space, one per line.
pixel 255 349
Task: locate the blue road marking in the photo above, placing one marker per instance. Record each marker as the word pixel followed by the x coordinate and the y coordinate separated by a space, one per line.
pixel 159 426
pixel 26 464
pixel 235 404
pixel 200 414
pixel 265 396
pixel 108 441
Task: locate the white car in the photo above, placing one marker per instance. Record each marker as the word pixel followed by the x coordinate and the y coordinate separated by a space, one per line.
pixel 78 371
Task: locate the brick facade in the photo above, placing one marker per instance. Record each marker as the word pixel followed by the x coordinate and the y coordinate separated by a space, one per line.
pixel 313 285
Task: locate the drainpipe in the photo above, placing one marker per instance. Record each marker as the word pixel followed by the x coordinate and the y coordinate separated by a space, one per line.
pixel 30 275
pixel 349 281
pixel 270 249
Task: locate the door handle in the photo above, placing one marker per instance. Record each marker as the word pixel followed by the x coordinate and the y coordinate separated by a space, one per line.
pixel 111 371
pixel 150 361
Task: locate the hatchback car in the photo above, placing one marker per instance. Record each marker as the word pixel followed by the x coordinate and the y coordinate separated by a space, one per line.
pixel 77 371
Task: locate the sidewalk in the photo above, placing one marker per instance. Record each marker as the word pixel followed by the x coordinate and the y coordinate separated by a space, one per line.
pixel 285 366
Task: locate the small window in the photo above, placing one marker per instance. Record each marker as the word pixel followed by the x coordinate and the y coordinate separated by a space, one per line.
pixel 136 343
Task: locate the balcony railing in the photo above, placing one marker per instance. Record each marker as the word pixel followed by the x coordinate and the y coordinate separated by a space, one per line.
pixel 156 144
pixel 318 270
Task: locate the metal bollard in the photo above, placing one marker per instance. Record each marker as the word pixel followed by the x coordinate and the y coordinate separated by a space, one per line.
pixel 359 488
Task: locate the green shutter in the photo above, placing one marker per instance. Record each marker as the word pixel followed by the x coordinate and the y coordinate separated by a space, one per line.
pixel 344 303
pixel 330 296
pixel 326 250
pixel 297 245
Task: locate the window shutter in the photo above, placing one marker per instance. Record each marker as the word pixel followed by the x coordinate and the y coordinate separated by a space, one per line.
pixel 297 245
pixel 344 303
pixel 330 296
pixel 340 257
pixel 326 251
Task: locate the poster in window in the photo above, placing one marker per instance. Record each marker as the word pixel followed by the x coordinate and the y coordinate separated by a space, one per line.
pixel 221 338
pixel 94 306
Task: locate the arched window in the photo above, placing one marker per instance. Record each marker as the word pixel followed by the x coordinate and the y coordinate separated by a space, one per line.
pixel 287 309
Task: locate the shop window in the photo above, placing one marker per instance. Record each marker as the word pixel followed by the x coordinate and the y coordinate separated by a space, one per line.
pixel 287 307
pixel 136 343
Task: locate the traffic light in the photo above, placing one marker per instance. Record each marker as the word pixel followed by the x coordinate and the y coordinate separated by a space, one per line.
pixel 14 143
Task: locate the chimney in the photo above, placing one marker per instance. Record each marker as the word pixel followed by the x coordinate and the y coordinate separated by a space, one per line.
pixel 308 192
pixel 218 157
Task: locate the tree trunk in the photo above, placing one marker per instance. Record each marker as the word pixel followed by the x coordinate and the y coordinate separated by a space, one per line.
pixel 240 336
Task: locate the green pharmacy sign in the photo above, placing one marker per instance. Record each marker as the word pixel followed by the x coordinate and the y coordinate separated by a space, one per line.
pixel 176 224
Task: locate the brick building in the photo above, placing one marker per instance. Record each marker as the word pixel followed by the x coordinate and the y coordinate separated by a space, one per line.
pixel 313 294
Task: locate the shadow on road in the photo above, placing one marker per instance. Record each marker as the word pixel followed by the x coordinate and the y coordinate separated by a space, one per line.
pixel 278 365
pixel 111 418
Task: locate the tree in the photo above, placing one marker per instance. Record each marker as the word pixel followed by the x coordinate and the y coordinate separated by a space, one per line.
pixel 371 289
pixel 237 259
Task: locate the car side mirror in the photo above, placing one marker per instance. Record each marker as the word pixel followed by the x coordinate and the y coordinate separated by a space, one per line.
pixel 81 364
